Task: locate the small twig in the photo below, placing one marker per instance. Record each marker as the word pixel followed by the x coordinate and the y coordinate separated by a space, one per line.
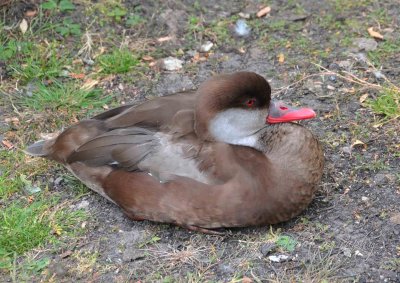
pixel 299 81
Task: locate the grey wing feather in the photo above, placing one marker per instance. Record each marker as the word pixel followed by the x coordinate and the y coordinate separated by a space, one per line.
pixel 125 147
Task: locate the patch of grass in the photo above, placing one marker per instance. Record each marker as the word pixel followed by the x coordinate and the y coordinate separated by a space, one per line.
pixel 68 28
pixel 387 103
pixel 386 50
pixel 27 61
pixel 286 242
pixel 62 5
pixel 66 96
pixel 34 221
pixel 118 62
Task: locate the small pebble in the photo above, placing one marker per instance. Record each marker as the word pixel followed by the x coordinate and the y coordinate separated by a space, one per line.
pixel 365 199
pixel 172 64
pixel 379 75
pixel 278 258
pixel 206 46
pixel 332 78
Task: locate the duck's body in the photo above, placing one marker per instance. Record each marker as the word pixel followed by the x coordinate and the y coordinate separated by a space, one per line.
pixel 203 159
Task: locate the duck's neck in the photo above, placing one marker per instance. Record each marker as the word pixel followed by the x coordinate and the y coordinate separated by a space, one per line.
pixel 238 127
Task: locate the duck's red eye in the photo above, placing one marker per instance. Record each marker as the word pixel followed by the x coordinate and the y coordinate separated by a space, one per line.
pixel 250 102
pixel 283 108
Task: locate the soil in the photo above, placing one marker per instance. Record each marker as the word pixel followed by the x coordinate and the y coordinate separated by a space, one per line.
pixel 349 233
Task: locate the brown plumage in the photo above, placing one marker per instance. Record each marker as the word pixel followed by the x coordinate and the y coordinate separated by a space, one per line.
pixel 202 160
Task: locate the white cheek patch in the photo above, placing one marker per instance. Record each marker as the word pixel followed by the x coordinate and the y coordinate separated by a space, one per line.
pixel 238 126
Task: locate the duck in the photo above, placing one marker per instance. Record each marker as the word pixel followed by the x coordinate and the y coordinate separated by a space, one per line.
pixel 225 155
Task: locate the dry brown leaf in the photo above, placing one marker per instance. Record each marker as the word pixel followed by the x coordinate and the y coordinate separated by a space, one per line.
pixel 281 58
pixel 359 143
pixel 263 11
pixel 77 76
pixel 7 144
pixel 164 38
pixel 23 26
pixel 147 58
pixel 246 280
pixel 242 50
pixel 374 34
pixel 363 98
pixel 31 13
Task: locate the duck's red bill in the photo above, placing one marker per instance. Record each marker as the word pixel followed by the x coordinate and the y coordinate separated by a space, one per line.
pixel 279 112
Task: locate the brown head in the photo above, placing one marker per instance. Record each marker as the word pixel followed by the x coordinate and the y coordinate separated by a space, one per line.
pixel 232 108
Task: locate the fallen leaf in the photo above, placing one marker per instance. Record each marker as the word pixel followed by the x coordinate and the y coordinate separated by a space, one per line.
pixel 106 107
pixel 7 144
pixel 281 58
pixel 246 280
pixel 31 13
pixel 263 11
pixel 358 142
pixel 363 97
pixel 288 44
pixel 374 34
pixel 77 76
pixel 31 199
pixel 147 58
pixel 164 38
pixel 23 26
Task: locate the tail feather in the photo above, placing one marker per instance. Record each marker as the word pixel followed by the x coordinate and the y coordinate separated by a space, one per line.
pixel 36 149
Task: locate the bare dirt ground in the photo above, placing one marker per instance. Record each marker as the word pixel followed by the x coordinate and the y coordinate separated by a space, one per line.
pixel 350 232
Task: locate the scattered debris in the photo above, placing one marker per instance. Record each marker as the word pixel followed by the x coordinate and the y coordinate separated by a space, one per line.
pixel 281 58
pixel 358 253
pixel 267 248
pixel 244 15
pixel 332 78
pixel 365 199
pixel 347 149
pixel 379 75
pixel 172 64
pixel 346 251
pixel 278 258
pixel 164 38
pixel 374 34
pixel 363 98
pixel 226 269
pixel 206 46
pixel 82 205
pixel 241 28
pixel 23 26
pixel 395 218
pixel 7 144
pixel 66 254
pixel 367 44
pixel 359 143
pixel 263 12
pixel 247 280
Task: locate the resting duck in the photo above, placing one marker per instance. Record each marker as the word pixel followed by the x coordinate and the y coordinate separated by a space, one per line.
pixel 221 156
